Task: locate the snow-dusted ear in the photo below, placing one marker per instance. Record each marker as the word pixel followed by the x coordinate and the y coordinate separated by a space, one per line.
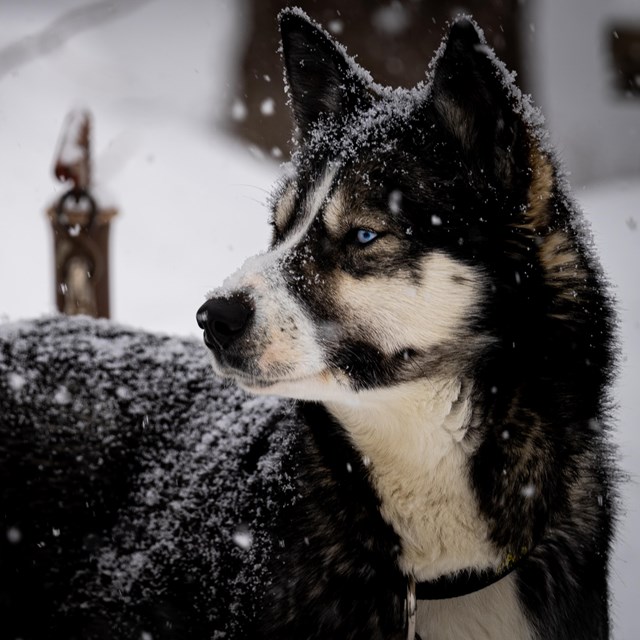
pixel 320 77
pixel 476 99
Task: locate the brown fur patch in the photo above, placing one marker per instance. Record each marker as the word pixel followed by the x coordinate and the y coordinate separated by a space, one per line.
pixel 334 214
pixel 284 208
pixel 558 256
pixel 540 190
pixel 557 252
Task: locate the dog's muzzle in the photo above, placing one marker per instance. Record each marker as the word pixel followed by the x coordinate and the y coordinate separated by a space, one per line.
pixel 225 320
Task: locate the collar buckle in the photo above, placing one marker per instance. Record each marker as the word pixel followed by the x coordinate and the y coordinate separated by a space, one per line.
pixel 411 608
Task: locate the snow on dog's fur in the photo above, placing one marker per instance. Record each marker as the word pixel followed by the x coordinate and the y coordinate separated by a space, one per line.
pixel 431 300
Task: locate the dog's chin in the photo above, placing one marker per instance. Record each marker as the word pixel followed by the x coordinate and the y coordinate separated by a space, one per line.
pixel 304 387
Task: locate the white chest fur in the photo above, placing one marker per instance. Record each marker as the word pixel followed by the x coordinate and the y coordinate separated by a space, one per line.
pixel 412 436
pixel 494 613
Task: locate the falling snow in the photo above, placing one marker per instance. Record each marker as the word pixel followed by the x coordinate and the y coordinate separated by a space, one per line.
pixel 243 539
pixel 391 19
pixel 62 395
pixel 16 381
pixel 14 535
pixel 528 491
pixel 336 26
pixel 239 111
pixel 268 107
pixel 395 202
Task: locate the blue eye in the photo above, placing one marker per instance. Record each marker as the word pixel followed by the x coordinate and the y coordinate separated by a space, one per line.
pixel 365 236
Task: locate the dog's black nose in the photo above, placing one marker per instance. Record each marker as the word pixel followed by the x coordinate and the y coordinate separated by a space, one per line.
pixel 224 320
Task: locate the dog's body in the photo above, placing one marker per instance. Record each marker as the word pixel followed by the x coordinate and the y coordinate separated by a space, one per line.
pixel 430 302
pixel 430 287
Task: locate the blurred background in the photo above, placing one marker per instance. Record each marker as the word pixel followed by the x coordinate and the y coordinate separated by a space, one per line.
pixel 189 128
pixel 190 124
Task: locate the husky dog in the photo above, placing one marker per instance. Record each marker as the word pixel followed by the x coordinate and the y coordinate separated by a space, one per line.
pixel 432 304
pixel 431 301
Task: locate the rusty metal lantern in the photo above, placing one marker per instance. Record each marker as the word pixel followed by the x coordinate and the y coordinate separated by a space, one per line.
pixel 80 226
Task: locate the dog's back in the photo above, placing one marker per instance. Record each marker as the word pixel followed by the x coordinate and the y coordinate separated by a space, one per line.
pixel 137 492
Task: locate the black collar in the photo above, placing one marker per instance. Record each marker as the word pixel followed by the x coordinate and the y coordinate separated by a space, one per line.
pixel 465 582
pixel 453 586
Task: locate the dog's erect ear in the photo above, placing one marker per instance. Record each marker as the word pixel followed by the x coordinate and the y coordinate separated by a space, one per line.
pixel 475 98
pixel 320 77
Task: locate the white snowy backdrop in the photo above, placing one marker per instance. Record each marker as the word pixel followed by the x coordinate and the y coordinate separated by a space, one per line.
pixel 157 76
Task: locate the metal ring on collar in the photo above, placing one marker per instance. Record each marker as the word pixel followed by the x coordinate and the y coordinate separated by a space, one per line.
pixel 411 608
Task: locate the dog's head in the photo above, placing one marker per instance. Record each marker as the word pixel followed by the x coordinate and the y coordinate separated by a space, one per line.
pixel 397 231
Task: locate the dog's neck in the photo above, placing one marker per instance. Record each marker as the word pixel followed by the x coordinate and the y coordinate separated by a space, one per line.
pixel 412 439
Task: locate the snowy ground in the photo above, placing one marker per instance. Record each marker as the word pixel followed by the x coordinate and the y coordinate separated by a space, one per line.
pixel 192 201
